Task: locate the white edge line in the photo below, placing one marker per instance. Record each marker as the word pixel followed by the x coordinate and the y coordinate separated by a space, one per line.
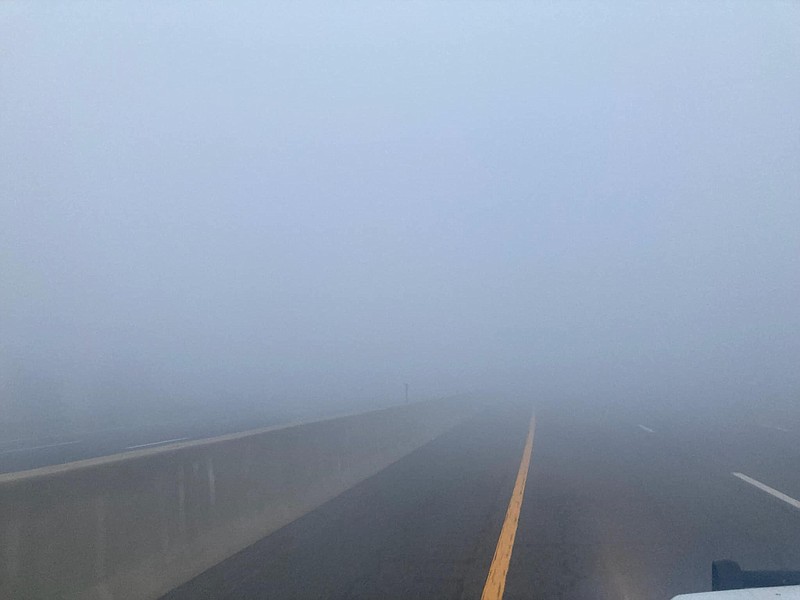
pixel 647 429
pixel 775 427
pixel 16 477
pixel 765 488
pixel 156 443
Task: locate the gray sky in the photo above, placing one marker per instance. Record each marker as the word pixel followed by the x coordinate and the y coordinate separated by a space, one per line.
pixel 212 201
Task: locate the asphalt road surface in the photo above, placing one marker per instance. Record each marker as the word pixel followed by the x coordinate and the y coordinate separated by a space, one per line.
pixel 30 453
pixel 614 508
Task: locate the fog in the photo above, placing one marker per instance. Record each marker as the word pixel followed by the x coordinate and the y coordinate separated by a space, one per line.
pixel 302 207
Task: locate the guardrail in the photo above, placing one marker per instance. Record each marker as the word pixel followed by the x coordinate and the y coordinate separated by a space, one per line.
pixel 135 525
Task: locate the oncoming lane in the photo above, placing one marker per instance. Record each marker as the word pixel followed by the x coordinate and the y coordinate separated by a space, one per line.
pixel 32 453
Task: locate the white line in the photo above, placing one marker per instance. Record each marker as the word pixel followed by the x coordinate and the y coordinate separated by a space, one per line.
pixel 155 443
pixel 775 427
pixel 41 447
pixel 765 488
pixel 647 429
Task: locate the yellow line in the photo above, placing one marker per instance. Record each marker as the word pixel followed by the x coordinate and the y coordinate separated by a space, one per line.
pixel 496 581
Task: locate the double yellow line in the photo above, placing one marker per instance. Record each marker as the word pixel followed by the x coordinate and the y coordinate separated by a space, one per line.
pixel 496 581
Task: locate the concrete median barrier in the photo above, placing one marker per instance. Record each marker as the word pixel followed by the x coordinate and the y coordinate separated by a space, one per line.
pixel 135 525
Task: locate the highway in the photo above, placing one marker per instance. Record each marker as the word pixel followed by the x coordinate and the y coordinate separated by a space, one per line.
pixel 32 452
pixel 615 506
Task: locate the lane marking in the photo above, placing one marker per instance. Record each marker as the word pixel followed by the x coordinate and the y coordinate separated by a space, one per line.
pixel 156 443
pixel 647 429
pixel 41 447
pixel 765 488
pixel 496 580
pixel 775 427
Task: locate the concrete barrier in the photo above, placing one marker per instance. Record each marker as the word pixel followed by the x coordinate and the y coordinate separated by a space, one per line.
pixel 135 525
